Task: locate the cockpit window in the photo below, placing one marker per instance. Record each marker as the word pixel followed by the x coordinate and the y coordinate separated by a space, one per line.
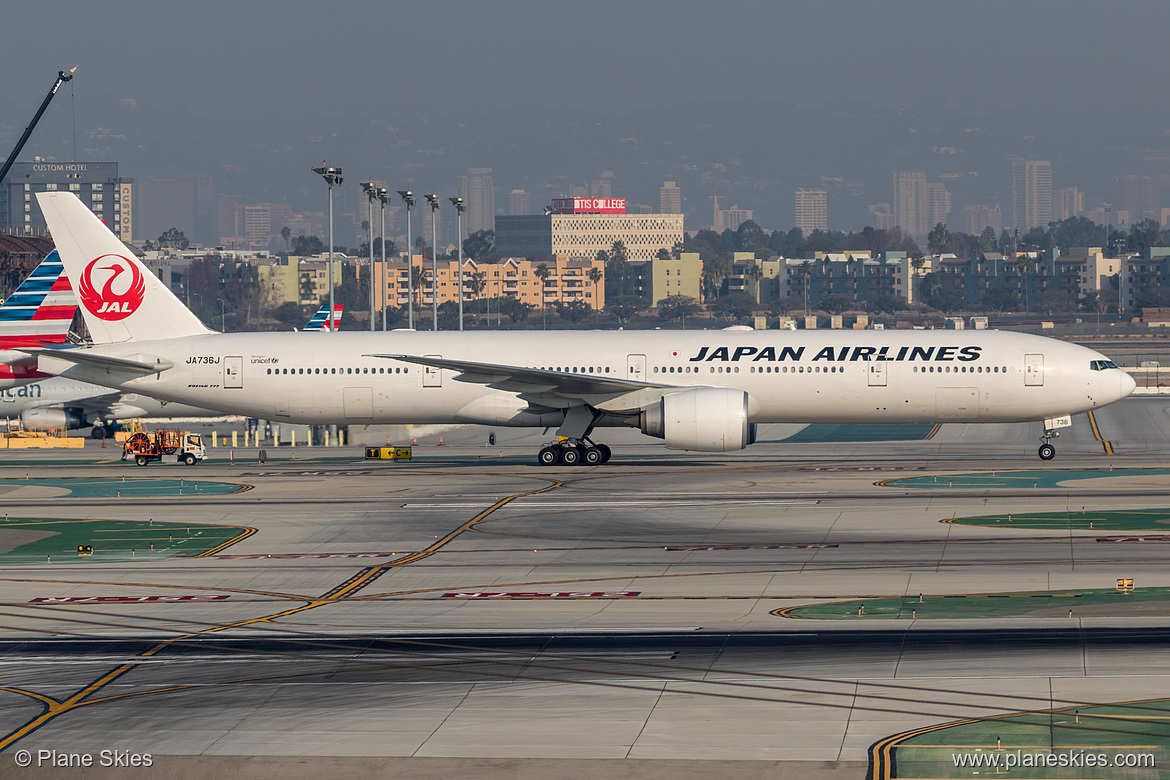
pixel 1101 365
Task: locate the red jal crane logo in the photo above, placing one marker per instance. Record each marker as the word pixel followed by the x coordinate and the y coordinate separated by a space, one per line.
pixel 112 303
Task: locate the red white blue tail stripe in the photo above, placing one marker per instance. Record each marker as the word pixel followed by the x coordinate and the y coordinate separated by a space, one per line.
pixel 320 322
pixel 41 309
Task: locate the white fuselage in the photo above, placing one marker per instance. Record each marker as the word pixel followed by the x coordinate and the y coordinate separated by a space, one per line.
pixel 789 376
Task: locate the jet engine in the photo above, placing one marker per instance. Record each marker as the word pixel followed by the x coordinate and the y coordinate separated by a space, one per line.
pixel 706 419
pixel 52 417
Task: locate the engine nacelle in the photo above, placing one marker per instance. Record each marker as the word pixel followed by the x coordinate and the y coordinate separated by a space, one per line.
pixel 51 417
pixel 706 419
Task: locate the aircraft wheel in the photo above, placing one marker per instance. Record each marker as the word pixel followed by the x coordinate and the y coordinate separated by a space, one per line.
pixel 592 456
pixel 142 460
pixel 548 456
pixel 98 432
pixel 1047 452
pixel 570 456
pixel 605 452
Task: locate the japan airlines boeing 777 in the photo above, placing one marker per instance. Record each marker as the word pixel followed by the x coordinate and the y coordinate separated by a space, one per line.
pixel 697 390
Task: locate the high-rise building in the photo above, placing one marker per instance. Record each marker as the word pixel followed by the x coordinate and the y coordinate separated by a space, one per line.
pixel 96 184
pixel 1141 196
pixel 883 217
pixel 978 218
pixel 730 219
pixel 479 196
pixel 936 206
pixel 908 193
pixel 812 210
pixel 1068 203
pixel 601 188
pixel 669 198
pixel 1031 194
pixel 519 203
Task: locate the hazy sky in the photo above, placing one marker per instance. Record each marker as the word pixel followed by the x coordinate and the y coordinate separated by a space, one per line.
pixel 260 62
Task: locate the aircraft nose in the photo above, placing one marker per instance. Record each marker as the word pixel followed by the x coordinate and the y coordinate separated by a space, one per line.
pixel 1128 385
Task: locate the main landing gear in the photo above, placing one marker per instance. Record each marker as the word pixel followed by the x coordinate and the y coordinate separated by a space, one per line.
pixel 573 453
pixel 1047 451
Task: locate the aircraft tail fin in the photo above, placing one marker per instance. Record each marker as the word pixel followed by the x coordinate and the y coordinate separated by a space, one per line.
pixel 121 299
pixel 41 309
pixel 320 322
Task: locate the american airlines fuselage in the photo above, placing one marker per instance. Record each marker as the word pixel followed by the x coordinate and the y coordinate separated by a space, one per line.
pixel 802 376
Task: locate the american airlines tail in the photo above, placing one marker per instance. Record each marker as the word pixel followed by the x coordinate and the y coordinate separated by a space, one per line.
pixel 40 310
pixel 320 320
pixel 121 300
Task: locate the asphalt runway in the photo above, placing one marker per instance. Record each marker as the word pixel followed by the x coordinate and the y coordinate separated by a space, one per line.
pixel 470 612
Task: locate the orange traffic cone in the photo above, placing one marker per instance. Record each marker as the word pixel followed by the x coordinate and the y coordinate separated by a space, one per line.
pixel 440 441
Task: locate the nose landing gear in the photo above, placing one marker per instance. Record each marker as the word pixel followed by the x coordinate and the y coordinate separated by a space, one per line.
pixel 573 452
pixel 1047 451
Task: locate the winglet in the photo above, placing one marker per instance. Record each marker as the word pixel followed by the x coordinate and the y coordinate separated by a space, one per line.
pixel 121 299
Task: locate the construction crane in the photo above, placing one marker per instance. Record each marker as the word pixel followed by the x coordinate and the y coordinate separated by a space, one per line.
pixel 62 77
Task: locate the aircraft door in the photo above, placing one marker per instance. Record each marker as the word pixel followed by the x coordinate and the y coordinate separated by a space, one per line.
pixel 233 372
pixel 1034 370
pixel 877 374
pixel 636 367
pixel 432 377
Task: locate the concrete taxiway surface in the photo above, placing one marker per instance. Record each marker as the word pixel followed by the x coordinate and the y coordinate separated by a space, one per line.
pixel 472 612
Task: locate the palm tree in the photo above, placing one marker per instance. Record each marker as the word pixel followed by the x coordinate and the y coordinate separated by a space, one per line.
pixel 595 275
pixel 286 234
pixel 477 283
pixel 755 273
pixel 1024 266
pixel 419 277
pixel 543 273
pixel 806 270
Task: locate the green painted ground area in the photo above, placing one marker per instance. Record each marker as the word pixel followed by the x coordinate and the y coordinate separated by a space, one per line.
pixel 1136 733
pixel 1083 603
pixel 27 540
pixel 121 487
pixel 1077 520
pixel 828 432
pixel 1019 479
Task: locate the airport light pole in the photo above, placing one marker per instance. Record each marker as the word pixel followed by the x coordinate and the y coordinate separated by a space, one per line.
pixel 371 192
pixel 222 316
pixel 433 202
pixel 383 196
pixel 458 203
pixel 332 177
pixel 408 198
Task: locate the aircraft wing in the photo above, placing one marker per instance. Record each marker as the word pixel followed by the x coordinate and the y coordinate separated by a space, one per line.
pixel 552 389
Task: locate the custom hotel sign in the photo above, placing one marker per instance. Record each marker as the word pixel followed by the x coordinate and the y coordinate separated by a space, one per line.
pixel 589 205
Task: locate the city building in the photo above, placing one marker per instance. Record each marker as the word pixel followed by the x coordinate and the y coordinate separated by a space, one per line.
pixel 519 203
pixel 97 184
pixel 730 219
pixel 812 210
pixel 669 198
pixel 978 218
pixel 1068 203
pixel 936 206
pixel 760 279
pixel 479 198
pixel 1140 196
pixel 660 278
pixel 1031 194
pixel 580 227
pixel 883 217
pixel 569 279
pixel 303 280
pixel 855 274
pixel 908 195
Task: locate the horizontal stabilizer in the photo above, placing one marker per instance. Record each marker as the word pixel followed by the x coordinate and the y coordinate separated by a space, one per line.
pixel 52 361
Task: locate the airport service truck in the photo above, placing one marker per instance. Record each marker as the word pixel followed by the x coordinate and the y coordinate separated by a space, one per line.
pixel 172 446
